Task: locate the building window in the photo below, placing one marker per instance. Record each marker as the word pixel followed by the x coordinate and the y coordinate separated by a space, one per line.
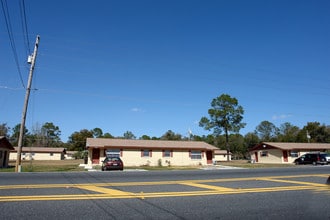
pixel 294 153
pixel 167 153
pixel 113 153
pixel 264 153
pixel 146 153
pixel 0 154
pixel 196 154
pixel 51 154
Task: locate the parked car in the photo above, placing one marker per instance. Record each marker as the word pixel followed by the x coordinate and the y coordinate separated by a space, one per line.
pixel 312 158
pixel 112 163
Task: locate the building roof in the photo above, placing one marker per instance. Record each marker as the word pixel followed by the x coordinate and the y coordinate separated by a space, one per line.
pixel 152 144
pixel 293 146
pixel 41 149
pixel 4 143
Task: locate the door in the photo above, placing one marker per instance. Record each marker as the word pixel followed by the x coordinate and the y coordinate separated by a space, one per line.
pixel 285 156
pixel 96 156
pixel 209 157
pixel 256 156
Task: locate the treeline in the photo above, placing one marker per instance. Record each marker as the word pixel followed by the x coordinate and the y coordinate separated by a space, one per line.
pixel 48 135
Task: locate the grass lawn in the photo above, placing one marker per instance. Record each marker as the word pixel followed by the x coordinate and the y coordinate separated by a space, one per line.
pixel 46 166
pixel 73 165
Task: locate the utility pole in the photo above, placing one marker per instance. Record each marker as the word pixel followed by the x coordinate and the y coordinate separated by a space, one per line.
pixel 26 102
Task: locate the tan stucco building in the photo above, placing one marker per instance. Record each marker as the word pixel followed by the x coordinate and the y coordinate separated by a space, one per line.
pixel 5 148
pixel 153 152
pixel 39 153
pixel 277 152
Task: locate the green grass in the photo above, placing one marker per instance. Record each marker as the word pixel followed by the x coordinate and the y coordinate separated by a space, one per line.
pixel 46 166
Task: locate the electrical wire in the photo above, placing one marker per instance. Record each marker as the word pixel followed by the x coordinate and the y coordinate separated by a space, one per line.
pixel 25 27
pixel 11 38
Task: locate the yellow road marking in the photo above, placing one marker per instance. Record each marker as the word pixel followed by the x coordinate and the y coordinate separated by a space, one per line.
pixel 216 188
pixel 294 182
pixel 104 190
pixel 101 192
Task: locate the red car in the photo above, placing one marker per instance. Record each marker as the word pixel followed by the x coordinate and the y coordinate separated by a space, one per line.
pixel 112 163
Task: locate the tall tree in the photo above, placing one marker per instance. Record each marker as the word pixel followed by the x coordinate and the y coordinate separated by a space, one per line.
pixel 51 133
pixel 267 131
pixel 225 116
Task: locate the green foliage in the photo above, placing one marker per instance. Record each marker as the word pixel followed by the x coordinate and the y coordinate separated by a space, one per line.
pixel 170 135
pixel 77 140
pixel 145 137
pixel 224 116
pixel 250 140
pixel 288 133
pixel 267 131
pixel 4 130
pixel 129 135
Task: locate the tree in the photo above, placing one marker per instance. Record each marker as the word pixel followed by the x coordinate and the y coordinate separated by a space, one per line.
pixel 51 133
pixel 171 136
pixel 77 140
pixel 129 135
pixel 225 116
pixel 267 131
pixel 15 135
pixel 145 137
pixel 237 146
pixel 97 132
pixel 4 130
pixel 288 132
pixel 250 140
pixel 314 132
pixel 107 135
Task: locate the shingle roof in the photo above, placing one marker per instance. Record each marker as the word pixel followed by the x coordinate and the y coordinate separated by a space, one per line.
pixel 295 146
pixel 108 142
pixel 41 149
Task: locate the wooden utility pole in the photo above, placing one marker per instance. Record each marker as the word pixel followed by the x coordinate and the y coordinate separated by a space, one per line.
pixel 26 102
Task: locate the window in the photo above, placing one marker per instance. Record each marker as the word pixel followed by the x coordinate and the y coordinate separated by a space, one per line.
pixel 264 153
pixel 113 153
pixel 146 153
pixel 0 154
pixel 167 153
pixel 196 154
pixel 294 153
pixel 51 154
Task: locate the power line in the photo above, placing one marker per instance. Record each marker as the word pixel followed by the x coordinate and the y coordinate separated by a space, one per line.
pixel 11 39
pixel 25 27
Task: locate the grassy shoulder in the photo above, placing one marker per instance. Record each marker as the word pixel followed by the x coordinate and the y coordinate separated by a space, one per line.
pixel 73 166
pixel 46 166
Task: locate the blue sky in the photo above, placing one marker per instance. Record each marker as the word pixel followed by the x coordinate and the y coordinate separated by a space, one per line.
pixel 153 66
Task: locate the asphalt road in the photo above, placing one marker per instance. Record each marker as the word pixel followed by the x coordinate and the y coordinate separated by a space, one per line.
pixel 285 193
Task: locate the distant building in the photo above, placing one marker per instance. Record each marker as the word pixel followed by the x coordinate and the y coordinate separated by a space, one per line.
pixel 278 152
pixel 153 152
pixel 5 148
pixel 39 153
